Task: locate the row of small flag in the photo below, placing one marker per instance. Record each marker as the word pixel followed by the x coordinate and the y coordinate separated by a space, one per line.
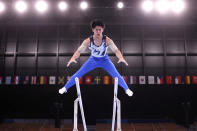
pixel 60 80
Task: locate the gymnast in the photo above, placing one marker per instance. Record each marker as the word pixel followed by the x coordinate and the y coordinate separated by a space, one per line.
pixel 98 44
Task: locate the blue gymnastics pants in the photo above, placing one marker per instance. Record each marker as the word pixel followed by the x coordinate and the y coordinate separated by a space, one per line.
pixel 91 64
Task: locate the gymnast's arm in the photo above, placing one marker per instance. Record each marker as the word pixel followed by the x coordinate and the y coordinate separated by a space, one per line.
pixel 80 49
pixel 114 48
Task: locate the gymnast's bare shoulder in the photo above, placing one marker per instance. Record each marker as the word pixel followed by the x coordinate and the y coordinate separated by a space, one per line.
pixel 84 45
pixel 111 44
pixel 86 42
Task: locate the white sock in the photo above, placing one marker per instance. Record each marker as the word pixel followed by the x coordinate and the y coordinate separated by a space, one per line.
pixel 129 92
pixel 62 90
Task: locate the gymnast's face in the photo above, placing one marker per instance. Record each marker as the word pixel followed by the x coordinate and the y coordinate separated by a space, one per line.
pixel 98 31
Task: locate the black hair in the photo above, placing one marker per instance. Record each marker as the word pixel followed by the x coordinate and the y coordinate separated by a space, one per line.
pixel 97 22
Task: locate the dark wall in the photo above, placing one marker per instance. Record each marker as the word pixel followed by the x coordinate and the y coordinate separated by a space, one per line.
pixel 149 50
pixel 149 102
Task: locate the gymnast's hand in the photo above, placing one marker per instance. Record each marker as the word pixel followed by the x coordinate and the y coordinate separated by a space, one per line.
pixel 124 61
pixel 71 61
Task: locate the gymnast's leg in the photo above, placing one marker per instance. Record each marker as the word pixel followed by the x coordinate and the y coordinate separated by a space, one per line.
pixel 86 67
pixel 110 68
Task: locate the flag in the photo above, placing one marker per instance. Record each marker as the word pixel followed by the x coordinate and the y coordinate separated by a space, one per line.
pixel 97 80
pixel 1 80
pixel 16 80
pixel 187 80
pixel 8 80
pixel 106 80
pixel 52 80
pixel 33 80
pixel 160 80
pixel 178 80
pixel 194 79
pixel 142 80
pixel 68 78
pixel 81 80
pixel 168 79
pixel 61 80
pixel 43 80
pixel 125 78
pixel 151 80
pixel 133 80
pixel 26 80
pixel 88 80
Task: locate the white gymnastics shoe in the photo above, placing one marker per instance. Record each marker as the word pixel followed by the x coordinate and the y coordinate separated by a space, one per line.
pixel 62 90
pixel 129 92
